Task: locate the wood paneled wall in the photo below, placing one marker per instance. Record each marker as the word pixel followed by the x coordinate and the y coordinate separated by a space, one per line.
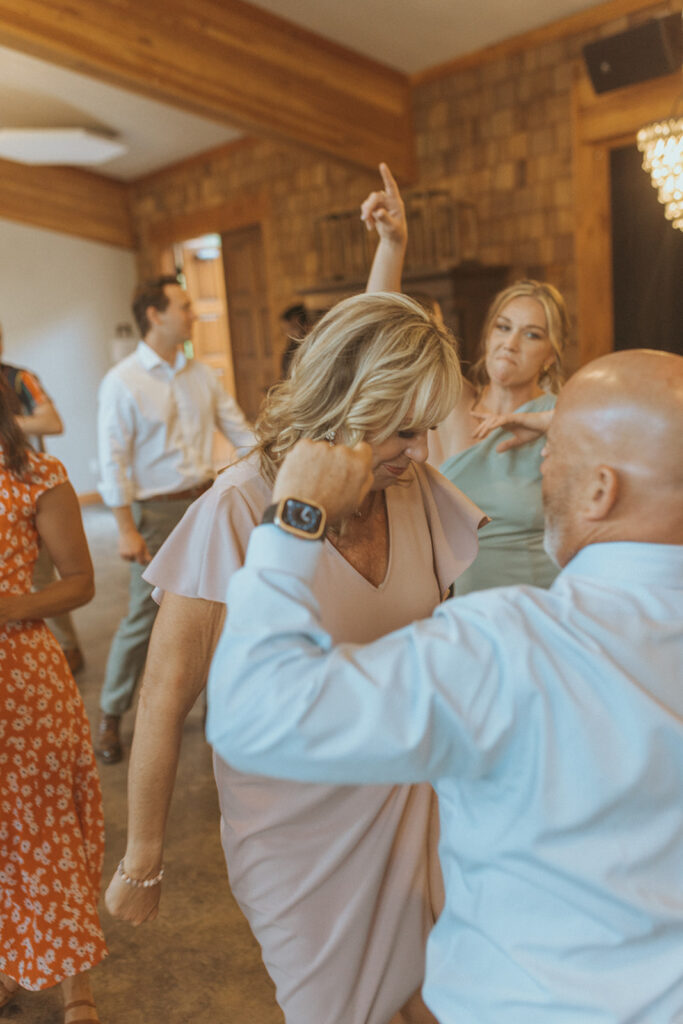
pixel 72 201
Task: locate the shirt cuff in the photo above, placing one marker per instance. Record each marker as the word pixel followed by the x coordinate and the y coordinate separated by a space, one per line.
pixel 273 548
pixel 113 497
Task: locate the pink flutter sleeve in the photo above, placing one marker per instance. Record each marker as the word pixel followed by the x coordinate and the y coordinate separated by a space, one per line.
pixel 210 541
pixel 453 524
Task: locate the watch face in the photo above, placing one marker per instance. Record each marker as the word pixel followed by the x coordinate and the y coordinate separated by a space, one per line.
pixel 301 516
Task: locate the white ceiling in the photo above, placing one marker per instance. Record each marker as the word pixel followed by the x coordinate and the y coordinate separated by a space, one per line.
pixel 34 94
pixel 410 35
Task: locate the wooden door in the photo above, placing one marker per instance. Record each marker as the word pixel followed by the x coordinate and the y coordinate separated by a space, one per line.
pixel 202 265
pixel 245 287
pixel 203 271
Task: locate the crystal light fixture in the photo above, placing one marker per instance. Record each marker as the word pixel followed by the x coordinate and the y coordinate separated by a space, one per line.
pixel 661 144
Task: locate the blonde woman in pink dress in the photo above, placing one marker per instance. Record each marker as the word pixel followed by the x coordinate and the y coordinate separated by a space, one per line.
pixel 340 884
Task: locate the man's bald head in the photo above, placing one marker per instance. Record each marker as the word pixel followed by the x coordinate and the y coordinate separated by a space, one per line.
pixel 614 466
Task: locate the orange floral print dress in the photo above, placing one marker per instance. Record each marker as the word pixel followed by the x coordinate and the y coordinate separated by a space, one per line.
pixel 51 821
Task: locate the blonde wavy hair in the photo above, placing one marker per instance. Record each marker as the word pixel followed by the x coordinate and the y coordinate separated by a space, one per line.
pixel 374 364
pixel 557 320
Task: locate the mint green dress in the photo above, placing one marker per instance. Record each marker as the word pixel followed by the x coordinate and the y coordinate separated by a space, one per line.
pixel 507 486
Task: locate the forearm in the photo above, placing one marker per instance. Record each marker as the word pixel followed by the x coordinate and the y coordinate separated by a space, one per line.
pixel 283 703
pixel 181 647
pixel 387 266
pixel 151 776
pixel 125 523
pixel 61 596
pixel 42 421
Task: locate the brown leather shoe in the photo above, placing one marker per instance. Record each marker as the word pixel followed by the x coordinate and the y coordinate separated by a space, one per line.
pixel 108 742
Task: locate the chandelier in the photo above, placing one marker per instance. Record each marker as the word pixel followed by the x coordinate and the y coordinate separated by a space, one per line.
pixel 661 144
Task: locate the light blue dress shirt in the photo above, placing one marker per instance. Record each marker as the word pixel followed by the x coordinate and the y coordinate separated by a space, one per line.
pixel 550 724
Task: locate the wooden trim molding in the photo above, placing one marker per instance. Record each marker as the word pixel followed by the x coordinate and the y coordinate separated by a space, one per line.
pixel 233 63
pixel 248 208
pixel 188 165
pixel 71 201
pixel 584 21
pixel 601 123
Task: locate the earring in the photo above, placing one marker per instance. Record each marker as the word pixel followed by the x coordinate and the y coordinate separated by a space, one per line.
pixel 330 436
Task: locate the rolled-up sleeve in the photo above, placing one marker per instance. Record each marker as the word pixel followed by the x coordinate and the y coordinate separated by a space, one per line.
pixel 232 422
pixel 284 702
pixel 115 438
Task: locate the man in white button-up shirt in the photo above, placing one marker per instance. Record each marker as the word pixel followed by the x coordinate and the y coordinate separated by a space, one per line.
pixel 550 723
pixel 157 414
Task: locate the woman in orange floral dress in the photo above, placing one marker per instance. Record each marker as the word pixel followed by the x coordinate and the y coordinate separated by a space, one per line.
pixel 51 821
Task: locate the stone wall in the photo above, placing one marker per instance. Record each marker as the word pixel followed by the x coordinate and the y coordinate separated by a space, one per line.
pixel 299 187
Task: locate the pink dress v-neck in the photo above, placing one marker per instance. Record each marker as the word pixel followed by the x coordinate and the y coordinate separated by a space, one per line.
pixel 340 884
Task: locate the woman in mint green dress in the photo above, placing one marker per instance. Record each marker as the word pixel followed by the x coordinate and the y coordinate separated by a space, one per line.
pixel 514 383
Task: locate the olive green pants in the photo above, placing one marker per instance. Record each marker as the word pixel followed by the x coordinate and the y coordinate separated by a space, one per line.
pixel 155 520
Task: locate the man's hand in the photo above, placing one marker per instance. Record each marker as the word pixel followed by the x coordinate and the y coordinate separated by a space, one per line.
pixel 384 211
pixel 133 547
pixel 334 476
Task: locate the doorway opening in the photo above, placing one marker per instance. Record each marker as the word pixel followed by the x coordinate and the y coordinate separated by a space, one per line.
pixel 647 260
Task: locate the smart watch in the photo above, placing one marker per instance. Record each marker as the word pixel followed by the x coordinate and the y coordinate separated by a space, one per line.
pixel 301 518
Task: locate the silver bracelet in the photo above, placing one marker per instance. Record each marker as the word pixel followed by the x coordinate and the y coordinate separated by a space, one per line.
pixel 138 883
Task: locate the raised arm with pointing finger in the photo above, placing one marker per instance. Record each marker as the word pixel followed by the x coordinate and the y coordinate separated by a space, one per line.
pixel 384 212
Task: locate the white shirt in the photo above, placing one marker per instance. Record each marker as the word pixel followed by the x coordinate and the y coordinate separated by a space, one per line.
pixel 156 424
pixel 550 724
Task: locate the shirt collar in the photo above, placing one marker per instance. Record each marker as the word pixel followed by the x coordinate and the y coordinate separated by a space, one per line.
pixel 630 562
pixel 150 359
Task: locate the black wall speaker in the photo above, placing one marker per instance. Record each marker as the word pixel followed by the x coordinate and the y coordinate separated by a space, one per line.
pixel 646 51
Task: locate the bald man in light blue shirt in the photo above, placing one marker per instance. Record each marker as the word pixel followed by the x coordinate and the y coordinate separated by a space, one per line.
pixel 550 723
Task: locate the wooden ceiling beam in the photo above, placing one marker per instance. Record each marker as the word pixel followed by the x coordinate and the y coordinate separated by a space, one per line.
pixel 73 202
pixel 232 63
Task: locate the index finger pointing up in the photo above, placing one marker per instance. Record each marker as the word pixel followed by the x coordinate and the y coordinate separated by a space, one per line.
pixel 390 186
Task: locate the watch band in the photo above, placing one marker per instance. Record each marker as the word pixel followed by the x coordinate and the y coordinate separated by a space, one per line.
pixel 302 519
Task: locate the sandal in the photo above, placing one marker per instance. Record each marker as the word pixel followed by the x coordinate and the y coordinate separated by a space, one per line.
pixel 81 1020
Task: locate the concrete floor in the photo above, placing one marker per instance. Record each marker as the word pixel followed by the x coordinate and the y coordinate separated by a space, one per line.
pixel 198 962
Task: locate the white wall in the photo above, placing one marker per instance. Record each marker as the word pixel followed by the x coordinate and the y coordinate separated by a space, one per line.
pixel 60 301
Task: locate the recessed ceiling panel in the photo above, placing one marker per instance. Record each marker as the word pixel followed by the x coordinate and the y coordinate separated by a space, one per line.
pixel 34 94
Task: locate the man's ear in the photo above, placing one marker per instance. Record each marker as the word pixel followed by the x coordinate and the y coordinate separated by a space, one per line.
pixel 152 314
pixel 601 493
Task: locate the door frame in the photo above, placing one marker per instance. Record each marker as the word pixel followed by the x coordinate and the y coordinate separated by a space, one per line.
pixel 601 123
pixel 251 209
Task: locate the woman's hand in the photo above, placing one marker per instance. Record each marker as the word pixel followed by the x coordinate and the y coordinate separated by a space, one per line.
pixel 384 211
pixel 524 426
pixel 132 903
